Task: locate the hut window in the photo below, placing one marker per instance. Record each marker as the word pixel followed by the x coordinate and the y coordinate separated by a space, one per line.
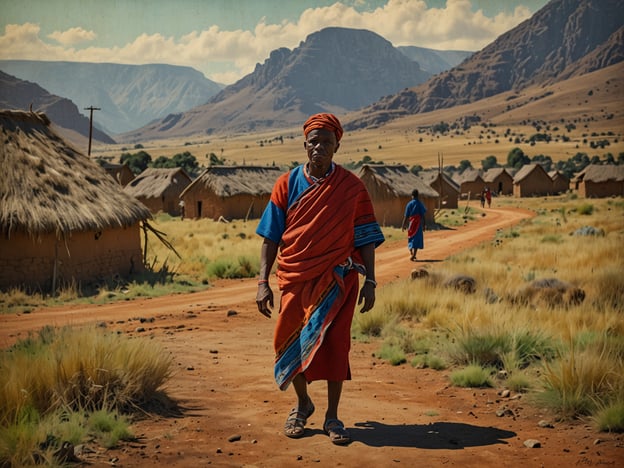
pixel 98 234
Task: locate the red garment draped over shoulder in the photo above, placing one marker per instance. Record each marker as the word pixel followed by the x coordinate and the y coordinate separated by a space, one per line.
pixel 319 236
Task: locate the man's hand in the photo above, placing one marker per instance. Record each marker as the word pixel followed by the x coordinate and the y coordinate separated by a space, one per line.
pixel 264 299
pixel 367 294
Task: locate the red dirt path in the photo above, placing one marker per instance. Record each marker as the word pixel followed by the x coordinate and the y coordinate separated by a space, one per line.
pixel 396 415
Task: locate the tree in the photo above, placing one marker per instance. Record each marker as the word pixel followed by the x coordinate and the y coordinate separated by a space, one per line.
pixel 489 162
pixel 545 161
pixel 163 162
pixel 186 161
pixel 215 161
pixel 516 158
pixel 137 162
pixel 416 169
pixel 464 164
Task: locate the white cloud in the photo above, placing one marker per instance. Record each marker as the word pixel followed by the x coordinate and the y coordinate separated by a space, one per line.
pixel 226 56
pixel 72 36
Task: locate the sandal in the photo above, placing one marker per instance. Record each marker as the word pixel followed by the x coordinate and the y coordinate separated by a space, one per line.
pixel 336 431
pixel 295 424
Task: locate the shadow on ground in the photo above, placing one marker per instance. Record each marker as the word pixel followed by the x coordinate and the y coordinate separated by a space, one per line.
pixel 439 435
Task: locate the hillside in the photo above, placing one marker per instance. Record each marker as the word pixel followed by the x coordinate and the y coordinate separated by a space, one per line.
pixel 129 96
pixel 335 70
pixel 592 103
pixel 23 95
pixel 565 38
pixel 435 61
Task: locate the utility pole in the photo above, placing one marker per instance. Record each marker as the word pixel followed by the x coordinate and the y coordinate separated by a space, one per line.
pixel 91 108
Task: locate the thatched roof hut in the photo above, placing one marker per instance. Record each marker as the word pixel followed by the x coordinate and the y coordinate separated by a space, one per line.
pixel 499 180
pixel 120 172
pixel 390 189
pixel 230 192
pixel 470 182
pixel 599 181
pixel 444 185
pixel 561 183
pixel 532 180
pixel 159 189
pixel 62 217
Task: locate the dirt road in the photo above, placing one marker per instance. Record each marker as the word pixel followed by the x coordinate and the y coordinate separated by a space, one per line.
pixel 396 415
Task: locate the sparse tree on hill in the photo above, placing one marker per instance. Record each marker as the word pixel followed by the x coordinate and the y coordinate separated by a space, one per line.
pixel 489 162
pixel 545 161
pixel 464 164
pixel 137 162
pixel 416 169
pixel 516 158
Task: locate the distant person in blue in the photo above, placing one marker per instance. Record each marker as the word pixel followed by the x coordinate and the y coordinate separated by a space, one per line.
pixel 414 220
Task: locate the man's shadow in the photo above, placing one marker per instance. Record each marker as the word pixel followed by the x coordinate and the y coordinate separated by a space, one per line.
pixel 438 435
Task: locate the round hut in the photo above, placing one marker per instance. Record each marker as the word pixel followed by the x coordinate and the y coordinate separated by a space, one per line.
pixel 62 217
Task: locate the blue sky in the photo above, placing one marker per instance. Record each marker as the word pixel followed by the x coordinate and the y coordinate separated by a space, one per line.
pixel 225 39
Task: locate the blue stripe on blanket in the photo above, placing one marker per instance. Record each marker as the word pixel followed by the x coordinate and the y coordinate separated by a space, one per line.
pixel 290 362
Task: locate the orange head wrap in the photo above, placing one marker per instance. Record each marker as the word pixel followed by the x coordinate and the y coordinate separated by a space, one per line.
pixel 327 121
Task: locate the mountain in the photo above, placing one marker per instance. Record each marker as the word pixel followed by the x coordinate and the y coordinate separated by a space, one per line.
pixel 334 70
pixel 435 61
pixel 565 38
pixel 129 96
pixel 23 95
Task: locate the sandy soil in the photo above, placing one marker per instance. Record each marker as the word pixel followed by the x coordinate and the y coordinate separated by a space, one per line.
pixel 233 412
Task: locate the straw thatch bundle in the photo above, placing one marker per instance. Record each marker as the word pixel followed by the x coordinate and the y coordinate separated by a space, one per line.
pixel 228 181
pixel 599 173
pixel 49 187
pixel 157 182
pixel 393 181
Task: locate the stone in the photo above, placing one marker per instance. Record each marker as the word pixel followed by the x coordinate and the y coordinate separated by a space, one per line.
pixel 532 443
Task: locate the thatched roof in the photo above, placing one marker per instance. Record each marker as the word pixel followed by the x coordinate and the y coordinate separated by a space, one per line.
pixel 154 182
pixel 469 175
pixel 492 173
pixel 398 180
pixel 227 181
pixel 526 170
pixel 47 186
pixel 601 173
pixel 555 174
pixel 430 176
pixel 116 171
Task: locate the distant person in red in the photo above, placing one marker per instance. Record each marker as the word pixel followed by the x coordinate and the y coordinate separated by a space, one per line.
pixel 414 220
pixel 320 226
pixel 488 196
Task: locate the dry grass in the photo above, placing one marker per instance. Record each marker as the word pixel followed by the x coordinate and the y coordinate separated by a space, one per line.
pixel 72 384
pixel 205 246
pixel 580 344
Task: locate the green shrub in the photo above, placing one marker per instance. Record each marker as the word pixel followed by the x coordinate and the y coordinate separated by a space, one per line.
pixel 610 418
pixel 519 382
pixel 586 209
pixel 472 376
pixel 423 361
pixel 393 354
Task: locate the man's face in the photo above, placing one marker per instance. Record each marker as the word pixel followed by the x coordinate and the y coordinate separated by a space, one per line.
pixel 320 145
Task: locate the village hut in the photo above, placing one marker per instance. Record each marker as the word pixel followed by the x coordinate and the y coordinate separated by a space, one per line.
pixel 499 180
pixel 159 189
pixel 470 182
pixel 390 189
pixel 120 172
pixel 444 185
pixel 560 181
pixel 599 181
pixel 532 180
pixel 63 219
pixel 230 192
